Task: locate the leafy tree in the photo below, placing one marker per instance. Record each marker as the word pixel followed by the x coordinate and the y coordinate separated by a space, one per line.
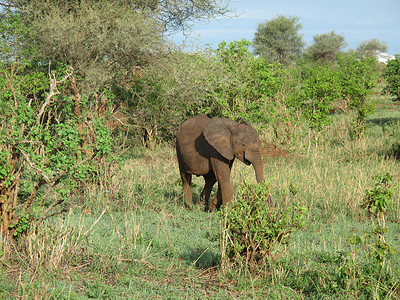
pixel 168 93
pixel 279 39
pixel 50 143
pixel 326 47
pixel 358 78
pixel 102 41
pixel 320 87
pixel 392 76
pixel 370 48
pixel 247 81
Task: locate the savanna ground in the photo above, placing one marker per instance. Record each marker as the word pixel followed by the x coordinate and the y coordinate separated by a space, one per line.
pixel 136 240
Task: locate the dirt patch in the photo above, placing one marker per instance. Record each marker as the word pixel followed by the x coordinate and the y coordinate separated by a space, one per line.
pixel 269 150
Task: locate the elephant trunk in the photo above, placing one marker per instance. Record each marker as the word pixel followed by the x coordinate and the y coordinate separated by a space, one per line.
pixel 259 171
pixel 255 159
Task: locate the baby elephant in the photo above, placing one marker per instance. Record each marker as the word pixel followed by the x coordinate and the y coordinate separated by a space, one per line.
pixel 207 147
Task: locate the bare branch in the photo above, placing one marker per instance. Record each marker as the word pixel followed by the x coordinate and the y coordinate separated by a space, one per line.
pixel 8 5
pixel 53 90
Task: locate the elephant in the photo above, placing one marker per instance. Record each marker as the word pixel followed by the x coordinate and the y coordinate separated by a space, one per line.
pixel 208 147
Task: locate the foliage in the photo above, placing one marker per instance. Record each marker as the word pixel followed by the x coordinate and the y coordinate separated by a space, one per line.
pixel 246 82
pixel 46 148
pixel 325 47
pixel 319 89
pixel 49 142
pixel 169 92
pixel 102 41
pixel 375 279
pixel 370 48
pixel 279 39
pixel 358 78
pixel 170 14
pixel 254 229
pixel 392 77
pixel 228 82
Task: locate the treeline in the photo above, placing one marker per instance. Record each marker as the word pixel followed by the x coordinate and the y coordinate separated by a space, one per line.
pixel 231 82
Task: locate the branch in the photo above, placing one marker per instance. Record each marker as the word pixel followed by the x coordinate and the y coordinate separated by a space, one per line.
pixel 53 90
pixel 32 195
pixel 44 214
pixel 41 172
pixel 8 5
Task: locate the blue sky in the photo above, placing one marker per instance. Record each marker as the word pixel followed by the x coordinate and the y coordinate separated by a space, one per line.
pixel 356 20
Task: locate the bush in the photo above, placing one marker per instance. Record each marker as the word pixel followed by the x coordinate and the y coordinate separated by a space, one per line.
pixel 358 78
pixel 49 146
pixel 255 230
pixel 244 85
pixel 392 76
pixel 168 93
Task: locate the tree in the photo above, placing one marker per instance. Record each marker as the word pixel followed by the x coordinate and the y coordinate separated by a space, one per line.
pixel 358 78
pixel 370 48
pixel 392 76
pixel 326 47
pixel 49 143
pixel 105 40
pixel 279 39
pixel 172 15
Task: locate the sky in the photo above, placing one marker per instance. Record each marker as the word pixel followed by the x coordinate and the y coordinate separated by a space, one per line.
pixel 356 20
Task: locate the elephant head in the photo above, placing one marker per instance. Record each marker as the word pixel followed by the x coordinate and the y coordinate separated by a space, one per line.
pixel 232 139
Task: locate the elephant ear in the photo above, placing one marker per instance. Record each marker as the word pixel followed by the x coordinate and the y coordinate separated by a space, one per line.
pixel 218 135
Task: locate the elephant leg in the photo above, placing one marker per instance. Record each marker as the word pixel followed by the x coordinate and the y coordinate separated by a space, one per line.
pixel 222 171
pixel 213 204
pixel 224 197
pixel 209 183
pixel 187 190
pixel 224 194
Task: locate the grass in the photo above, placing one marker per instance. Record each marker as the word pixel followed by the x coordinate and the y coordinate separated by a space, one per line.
pixel 135 240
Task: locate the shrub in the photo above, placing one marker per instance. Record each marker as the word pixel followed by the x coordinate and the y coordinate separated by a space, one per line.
pixel 245 82
pixel 49 146
pixel 255 230
pixel 374 276
pixel 358 78
pixel 392 76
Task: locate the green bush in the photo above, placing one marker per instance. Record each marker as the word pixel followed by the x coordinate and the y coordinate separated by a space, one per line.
pixel 392 76
pixel 50 141
pixel 373 276
pixel 358 78
pixel 255 230
pixel 244 85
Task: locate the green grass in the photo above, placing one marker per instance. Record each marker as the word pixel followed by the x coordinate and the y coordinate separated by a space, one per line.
pixel 133 239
